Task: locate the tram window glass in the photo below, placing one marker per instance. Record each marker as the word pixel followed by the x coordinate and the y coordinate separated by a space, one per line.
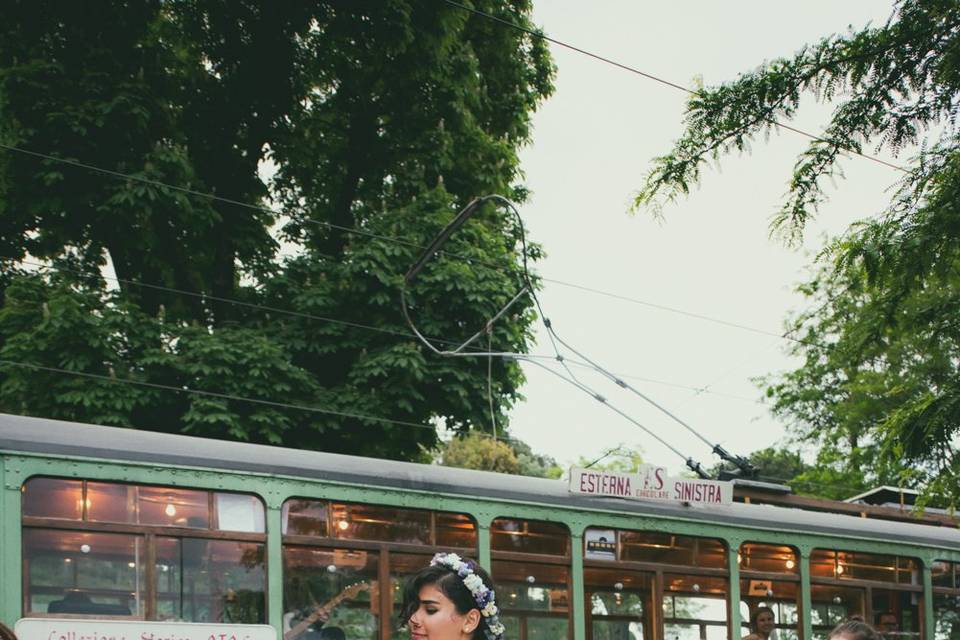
pixel 944 574
pixel 53 498
pixel 203 580
pixel 946 616
pixel 619 604
pixel 767 558
pixel 666 548
pixel 896 613
pixel 111 502
pixel 529 536
pixel 831 605
pixel 694 607
pixel 369 522
pixel 174 507
pixel 850 565
pixel 74 572
pixel 341 582
pixel 780 596
pixel 203 577
pixel 305 518
pixel 946 600
pixel 456 530
pixel 536 595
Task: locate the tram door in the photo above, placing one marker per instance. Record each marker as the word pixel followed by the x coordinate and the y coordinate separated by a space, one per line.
pixel 619 604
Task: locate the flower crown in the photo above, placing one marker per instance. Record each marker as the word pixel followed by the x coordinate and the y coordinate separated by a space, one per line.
pixel 483 596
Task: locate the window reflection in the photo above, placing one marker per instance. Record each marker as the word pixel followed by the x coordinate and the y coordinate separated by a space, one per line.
pixel 946 600
pixel 768 558
pixel 529 536
pixel 326 589
pixel 201 580
pixel 110 502
pixel 694 607
pixel 666 548
pixel 831 605
pixel 535 595
pixel 53 498
pixel 73 572
pixel 619 604
pixel 850 565
pixel 174 507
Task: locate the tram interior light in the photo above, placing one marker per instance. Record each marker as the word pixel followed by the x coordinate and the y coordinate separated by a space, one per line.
pixel 839 569
pixel 696 588
pixel 85 548
pixel 531 579
pixel 790 564
pixel 131 564
pixel 68 560
pixel 343 525
pixel 332 568
pixel 170 510
pixel 618 586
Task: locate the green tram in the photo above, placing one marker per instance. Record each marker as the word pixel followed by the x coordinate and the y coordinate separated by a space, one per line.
pixel 115 524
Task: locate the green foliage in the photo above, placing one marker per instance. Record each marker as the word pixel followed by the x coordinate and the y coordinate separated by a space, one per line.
pixel 381 119
pixel 478 451
pixel 879 390
pixel 620 458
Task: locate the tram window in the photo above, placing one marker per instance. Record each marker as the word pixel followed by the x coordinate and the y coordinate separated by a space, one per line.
pixel 74 572
pixel 536 595
pixel 305 518
pixel 946 616
pixel 694 607
pixel 53 498
pixel 174 507
pixel 854 565
pixel 529 536
pixel 944 574
pixel 203 580
pixel 896 613
pixel 239 512
pixel 666 548
pixel 831 605
pixel 341 582
pixel 368 522
pixel 780 596
pixel 111 502
pixel 767 558
pixel 456 530
pixel 619 604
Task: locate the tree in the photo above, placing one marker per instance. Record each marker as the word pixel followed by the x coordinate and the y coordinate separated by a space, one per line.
pixel 381 120
pixel 890 86
pixel 475 451
pixel 478 450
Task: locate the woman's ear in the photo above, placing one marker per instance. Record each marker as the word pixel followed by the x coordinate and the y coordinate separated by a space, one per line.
pixel 471 621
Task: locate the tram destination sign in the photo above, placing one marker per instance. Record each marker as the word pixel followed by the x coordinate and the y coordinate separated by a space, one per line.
pixel 93 629
pixel 650 483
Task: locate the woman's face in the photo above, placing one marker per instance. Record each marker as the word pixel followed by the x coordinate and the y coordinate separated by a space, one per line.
pixel 436 618
pixel 765 623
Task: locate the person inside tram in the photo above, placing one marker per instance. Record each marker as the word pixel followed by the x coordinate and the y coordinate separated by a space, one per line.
pixel 451 599
pixel 854 629
pixel 887 623
pixel 762 624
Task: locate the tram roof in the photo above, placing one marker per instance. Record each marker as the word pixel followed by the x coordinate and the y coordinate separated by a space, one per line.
pixel 42 436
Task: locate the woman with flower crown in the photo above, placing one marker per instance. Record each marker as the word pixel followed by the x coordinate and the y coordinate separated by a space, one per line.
pixel 452 599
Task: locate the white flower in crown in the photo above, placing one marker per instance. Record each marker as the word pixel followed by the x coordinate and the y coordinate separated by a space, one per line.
pixel 489 610
pixel 474 583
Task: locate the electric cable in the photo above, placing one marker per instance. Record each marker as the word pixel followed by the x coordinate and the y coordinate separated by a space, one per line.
pixel 227 396
pixel 327 319
pixel 525 287
pixel 395 240
pixel 539 34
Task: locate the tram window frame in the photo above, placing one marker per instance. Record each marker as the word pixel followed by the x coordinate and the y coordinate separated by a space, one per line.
pixel 146 593
pixel 329 537
pixel 499 556
pixel 612 557
pixel 870 589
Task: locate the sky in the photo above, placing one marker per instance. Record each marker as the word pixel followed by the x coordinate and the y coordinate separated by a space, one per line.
pixel 711 254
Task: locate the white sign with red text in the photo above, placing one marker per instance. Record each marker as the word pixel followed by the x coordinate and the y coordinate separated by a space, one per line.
pixel 650 483
pixel 87 629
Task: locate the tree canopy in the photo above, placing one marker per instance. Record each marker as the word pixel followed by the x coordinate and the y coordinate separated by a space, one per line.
pixel 879 387
pixel 310 149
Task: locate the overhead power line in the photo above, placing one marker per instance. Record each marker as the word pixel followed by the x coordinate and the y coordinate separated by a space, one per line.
pixel 347 323
pixel 228 396
pixel 390 239
pixel 648 76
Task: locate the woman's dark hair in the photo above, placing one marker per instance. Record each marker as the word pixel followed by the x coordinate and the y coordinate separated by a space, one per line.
pixel 756 616
pixel 855 629
pixel 449 584
pixel 6 633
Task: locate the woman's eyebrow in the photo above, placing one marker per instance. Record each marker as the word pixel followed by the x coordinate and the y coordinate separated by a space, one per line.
pixel 429 602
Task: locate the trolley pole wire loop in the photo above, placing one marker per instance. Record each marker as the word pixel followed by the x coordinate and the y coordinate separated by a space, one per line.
pixel 526 288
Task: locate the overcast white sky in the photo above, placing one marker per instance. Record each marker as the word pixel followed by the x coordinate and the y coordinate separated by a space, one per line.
pixel 592 144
